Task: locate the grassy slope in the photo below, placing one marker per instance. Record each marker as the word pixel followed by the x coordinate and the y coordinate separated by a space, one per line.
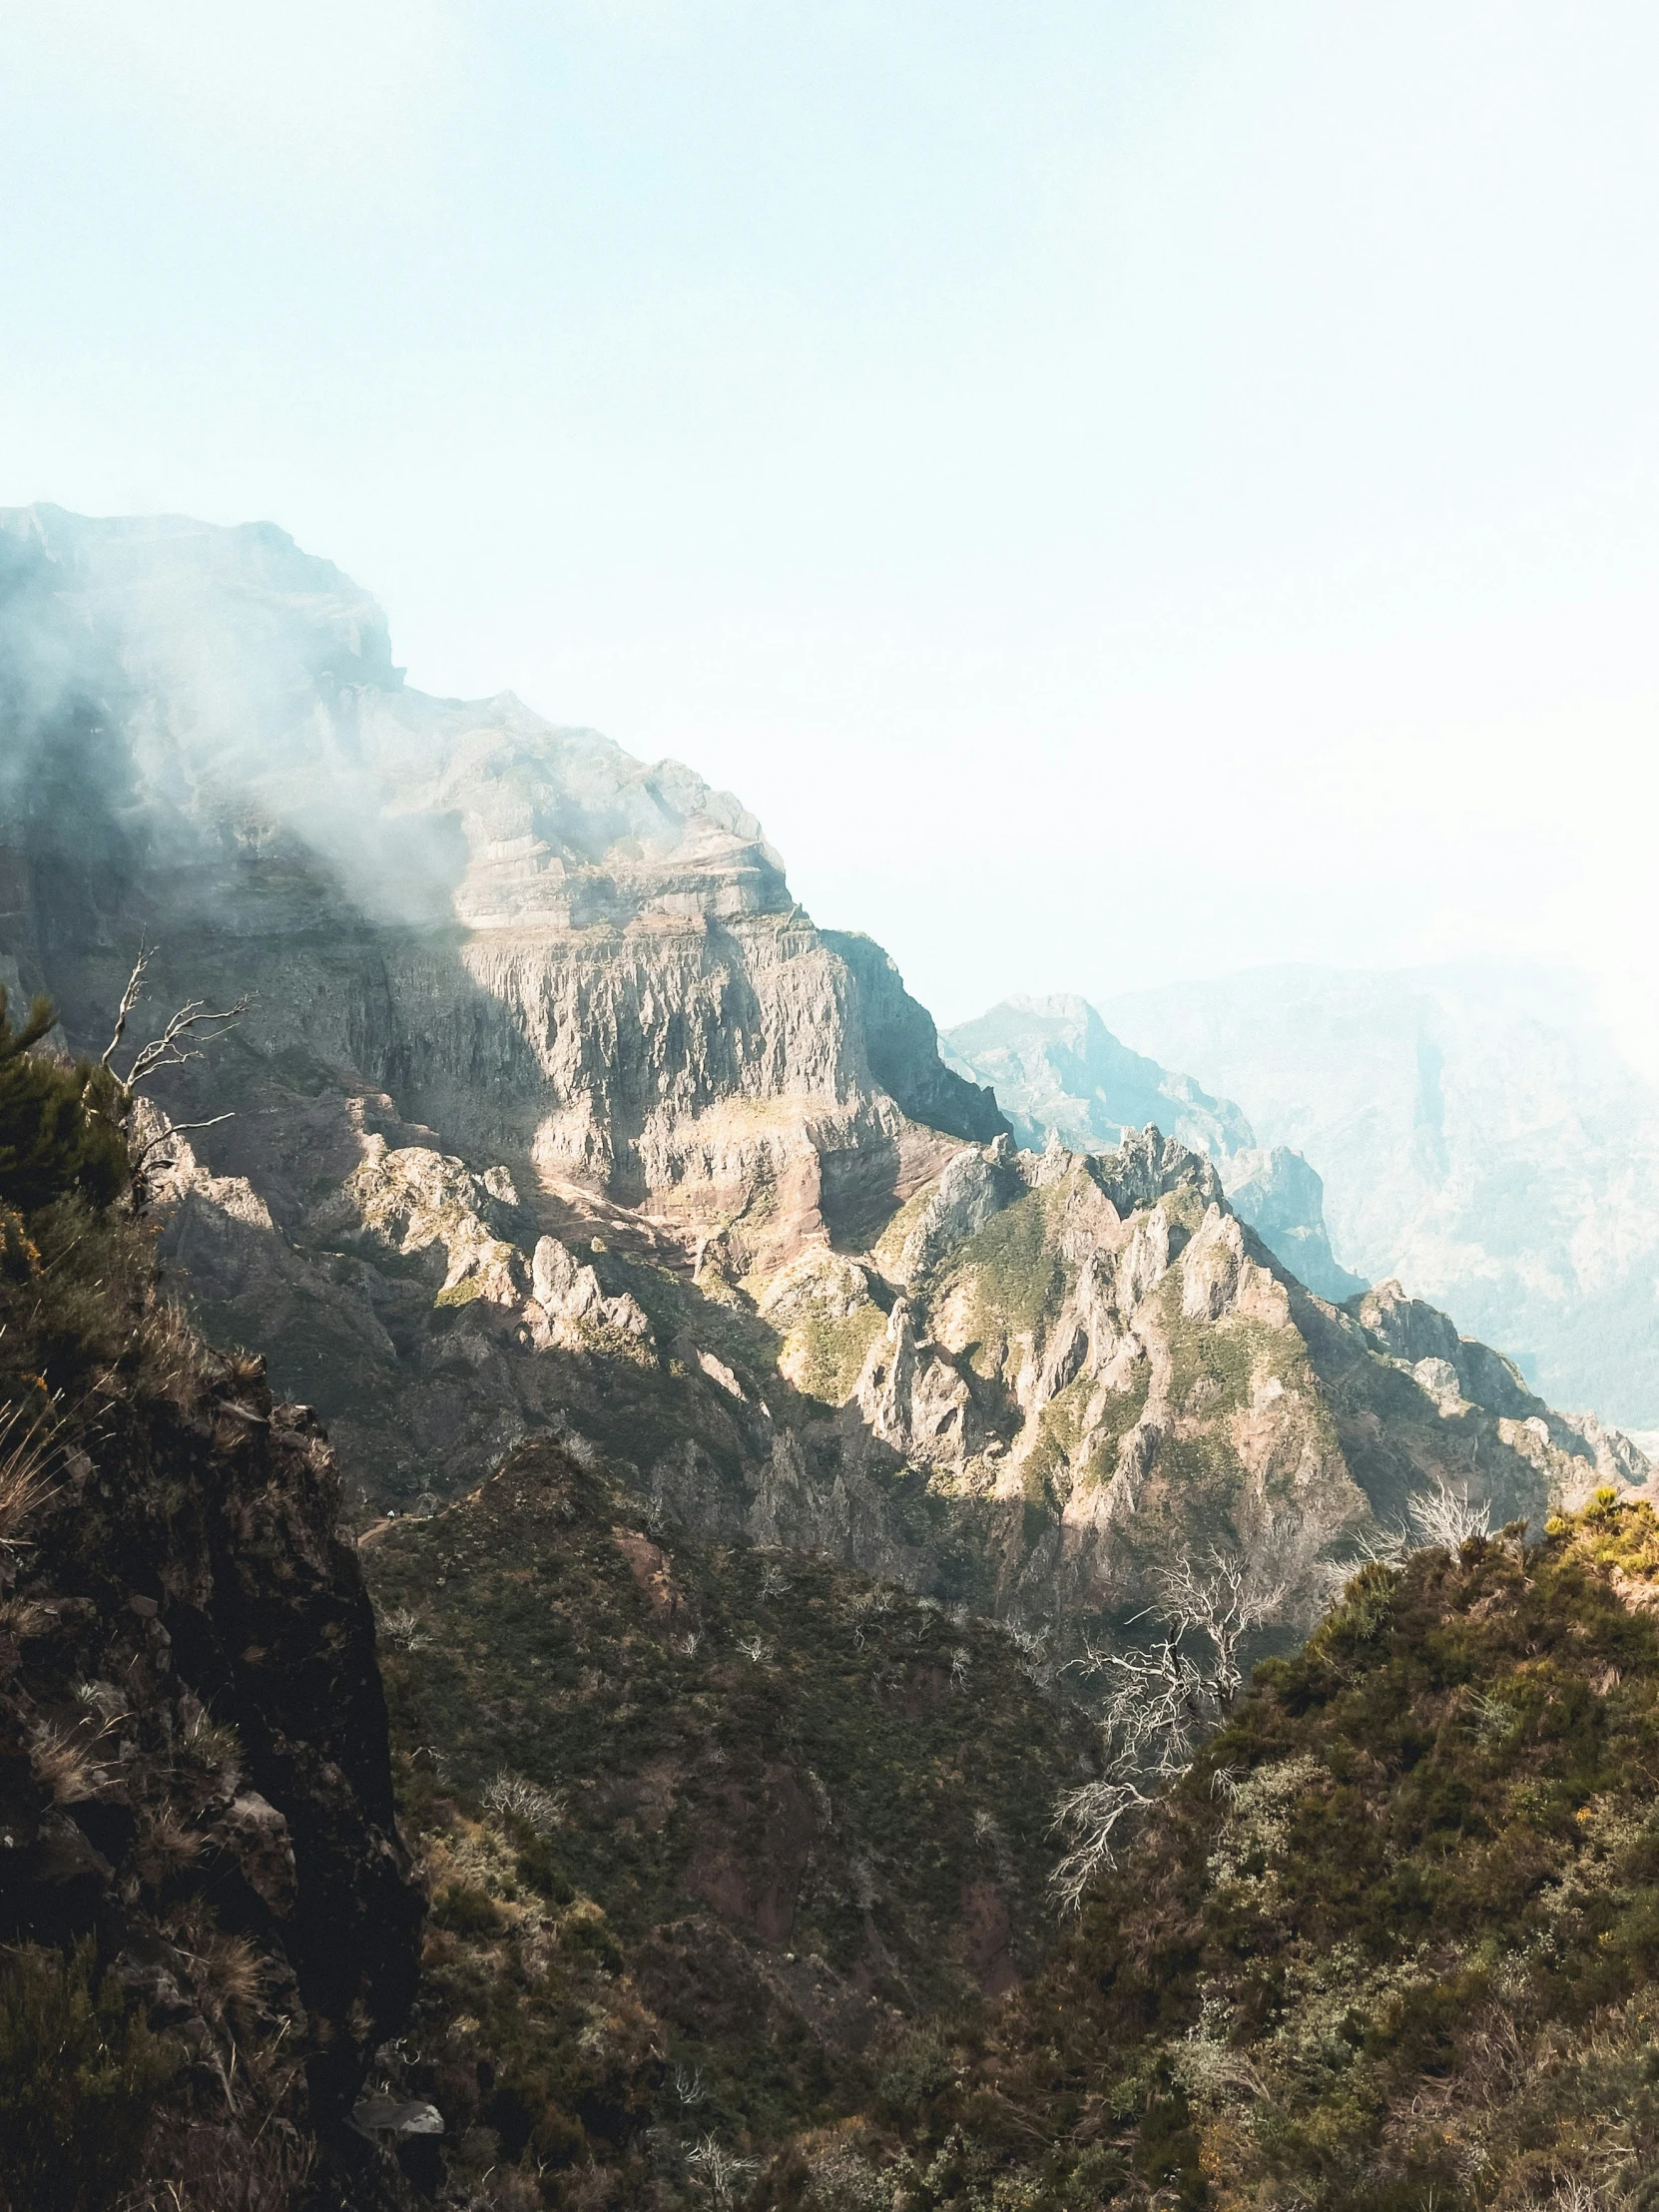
pixel 760 1872
pixel 1393 1943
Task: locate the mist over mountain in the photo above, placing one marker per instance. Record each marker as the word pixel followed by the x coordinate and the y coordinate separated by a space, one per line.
pixel 1480 1136
pixel 552 1103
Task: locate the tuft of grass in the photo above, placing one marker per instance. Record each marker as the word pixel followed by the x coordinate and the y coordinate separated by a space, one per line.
pixel 26 1486
pixel 212 1747
pixel 232 1975
pixel 64 1764
pixel 165 1842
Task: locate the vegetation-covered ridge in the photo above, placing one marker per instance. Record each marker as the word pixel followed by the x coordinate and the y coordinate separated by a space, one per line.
pixel 1392 1942
pixel 206 1923
pixel 713 1835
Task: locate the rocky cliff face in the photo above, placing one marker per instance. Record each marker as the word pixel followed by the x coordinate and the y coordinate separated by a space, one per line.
pixel 554 1114
pixel 1058 1070
pixel 537 943
pixel 1045 1375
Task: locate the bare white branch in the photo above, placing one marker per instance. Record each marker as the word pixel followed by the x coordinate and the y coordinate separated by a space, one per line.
pixel 718 2170
pixel 1222 1601
pixel 187 1031
pixel 194 1025
pixel 1092 1816
pixel 129 999
pixel 1443 1519
pixel 141 1153
pixel 1161 1701
pixel 1437 1519
pixel 515 1794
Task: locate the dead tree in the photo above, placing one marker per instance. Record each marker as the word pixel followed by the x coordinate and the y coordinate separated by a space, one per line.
pixel 1161 1703
pixel 183 1038
pixel 1440 1519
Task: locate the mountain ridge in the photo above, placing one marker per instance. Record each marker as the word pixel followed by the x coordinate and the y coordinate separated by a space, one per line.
pixel 1058 1070
pixel 743 1430
pixel 1481 1135
pixel 594 1123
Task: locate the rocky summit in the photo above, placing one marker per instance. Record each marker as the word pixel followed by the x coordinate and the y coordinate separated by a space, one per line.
pixel 761 1432
pixel 1481 1133
pixel 1057 1070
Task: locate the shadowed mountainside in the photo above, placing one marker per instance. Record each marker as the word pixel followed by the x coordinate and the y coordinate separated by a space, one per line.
pixel 208 1918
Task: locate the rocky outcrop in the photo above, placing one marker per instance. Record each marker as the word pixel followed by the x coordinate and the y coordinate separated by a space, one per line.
pixel 574 1311
pixel 1416 1332
pixel 974 1185
pixel 916 1401
pixel 424 1206
pixel 904 1048
pixel 1282 1197
pixel 1060 1074
pixel 1482 1135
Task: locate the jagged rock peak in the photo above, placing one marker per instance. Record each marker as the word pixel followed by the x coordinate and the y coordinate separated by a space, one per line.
pixel 1060 1072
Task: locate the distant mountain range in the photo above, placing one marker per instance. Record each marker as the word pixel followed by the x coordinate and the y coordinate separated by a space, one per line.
pixel 1480 1136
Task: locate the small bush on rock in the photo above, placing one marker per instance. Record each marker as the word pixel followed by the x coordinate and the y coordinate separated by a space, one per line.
pixel 79 2072
pixel 58 1131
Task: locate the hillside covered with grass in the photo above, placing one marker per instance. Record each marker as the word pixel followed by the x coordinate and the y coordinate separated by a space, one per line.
pixel 712 1835
pixel 1392 1942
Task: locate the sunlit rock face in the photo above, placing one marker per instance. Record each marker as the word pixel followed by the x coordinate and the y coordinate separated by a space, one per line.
pixel 538 943
pixel 1059 1073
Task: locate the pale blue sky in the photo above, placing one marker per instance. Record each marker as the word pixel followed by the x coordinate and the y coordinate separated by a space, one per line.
pixel 1124 491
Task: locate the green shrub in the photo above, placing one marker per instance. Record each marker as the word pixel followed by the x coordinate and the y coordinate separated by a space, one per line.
pixel 466 1910
pixel 58 1126
pixel 80 2073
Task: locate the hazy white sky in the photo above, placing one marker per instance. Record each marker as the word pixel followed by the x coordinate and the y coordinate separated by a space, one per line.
pixel 1123 490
